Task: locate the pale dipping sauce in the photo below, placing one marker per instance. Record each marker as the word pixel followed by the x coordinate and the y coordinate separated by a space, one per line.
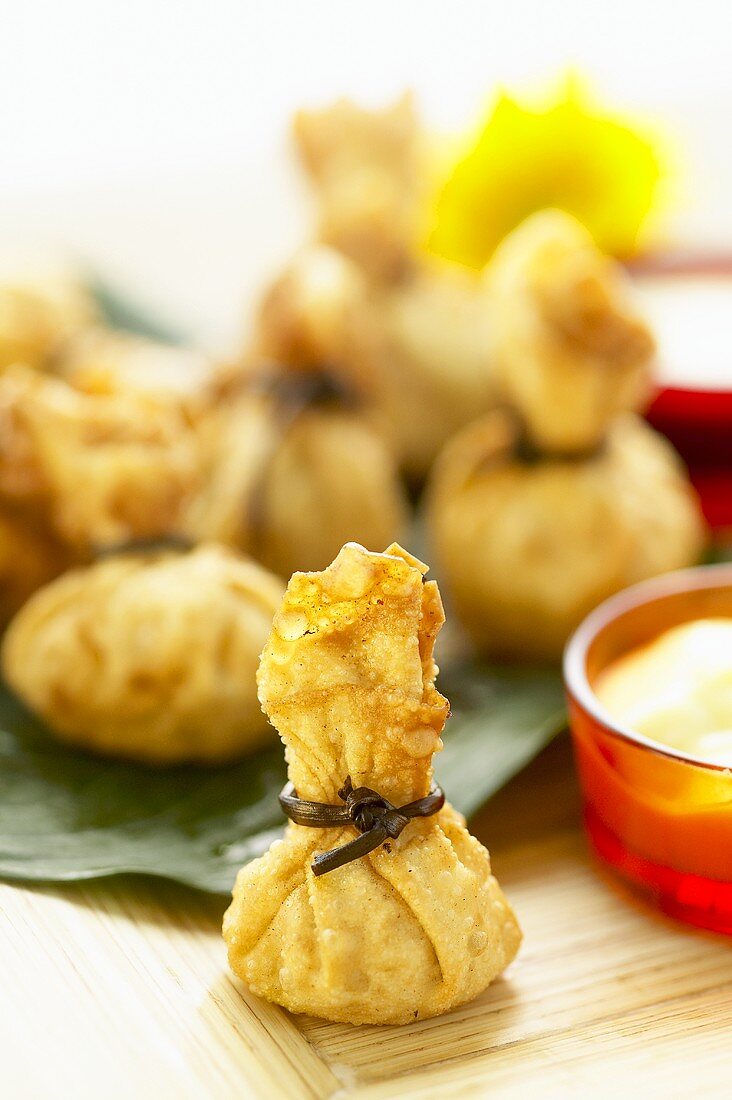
pixel 677 690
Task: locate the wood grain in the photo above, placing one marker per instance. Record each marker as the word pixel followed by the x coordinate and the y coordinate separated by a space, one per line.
pixel 120 988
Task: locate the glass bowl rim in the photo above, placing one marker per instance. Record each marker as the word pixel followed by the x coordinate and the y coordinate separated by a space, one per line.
pixel 574 662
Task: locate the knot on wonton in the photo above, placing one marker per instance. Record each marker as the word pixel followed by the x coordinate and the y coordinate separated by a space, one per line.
pixel 412 922
pixel 367 810
pixel 375 817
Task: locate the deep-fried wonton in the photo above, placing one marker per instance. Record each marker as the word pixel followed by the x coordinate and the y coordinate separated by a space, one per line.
pixel 527 546
pixel 29 558
pixel 418 925
pixel 38 316
pixel 365 166
pixel 295 469
pixel 149 657
pixel 419 353
pixel 436 360
pixel 423 345
pixel 107 468
pixel 102 360
pixel 316 315
pixel 571 352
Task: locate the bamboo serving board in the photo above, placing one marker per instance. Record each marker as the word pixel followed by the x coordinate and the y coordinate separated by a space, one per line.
pixel 120 989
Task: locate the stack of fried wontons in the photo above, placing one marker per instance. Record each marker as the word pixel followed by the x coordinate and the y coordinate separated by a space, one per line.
pixel 513 394
pixel 155 503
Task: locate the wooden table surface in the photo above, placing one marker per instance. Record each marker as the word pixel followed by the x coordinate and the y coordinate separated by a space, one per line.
pixel 120 989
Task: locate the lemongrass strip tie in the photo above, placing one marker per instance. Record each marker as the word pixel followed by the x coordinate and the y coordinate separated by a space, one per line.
pixel 373 815
pixel 173 541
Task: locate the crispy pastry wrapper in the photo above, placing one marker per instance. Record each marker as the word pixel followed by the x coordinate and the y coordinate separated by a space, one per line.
pixel 150 657
pixel 420 924
pixel 315 314
pixel 365 167
pixel 423 337
pixel 571 350
pixel 424 343
pixel 437 356
pixel 30 557
pixel 108 361
pixel 288 480
pixel 104 468
pixel 527 549
pixel 39 315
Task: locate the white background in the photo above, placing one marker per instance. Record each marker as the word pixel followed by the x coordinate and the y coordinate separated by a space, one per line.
pixel 148 137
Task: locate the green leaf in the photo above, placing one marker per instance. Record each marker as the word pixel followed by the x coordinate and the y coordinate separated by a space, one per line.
pixel 66 815
pixel 119 312
pixel 501 719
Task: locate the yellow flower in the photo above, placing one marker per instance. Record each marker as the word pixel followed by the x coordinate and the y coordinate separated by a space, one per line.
pixel 566 155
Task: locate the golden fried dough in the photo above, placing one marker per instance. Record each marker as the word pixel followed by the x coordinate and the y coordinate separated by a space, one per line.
pixel 436 360
pixel 365 166
pixel 420 924
pixel 292 473
pixel 423 344
pixel 108 468
pixel 527 547
pixel 316 314
pixel 108 361
pixel 38 316
pixel 29 558
pixel 570 350
pixel 420 331
pixel 149 657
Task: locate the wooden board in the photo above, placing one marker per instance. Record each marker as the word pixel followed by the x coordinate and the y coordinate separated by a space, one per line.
pixel 120 989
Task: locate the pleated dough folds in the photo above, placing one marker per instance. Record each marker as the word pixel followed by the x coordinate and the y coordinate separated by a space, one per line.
pixel 150 657
pixel 419 925
pixel 527 548
pixel 571 350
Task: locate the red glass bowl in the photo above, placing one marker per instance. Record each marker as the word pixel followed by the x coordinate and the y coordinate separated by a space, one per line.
pixel 661 818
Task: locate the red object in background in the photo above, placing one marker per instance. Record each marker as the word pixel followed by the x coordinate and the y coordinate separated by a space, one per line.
pixel 662 819
pixel 699 424
pixel 697 418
